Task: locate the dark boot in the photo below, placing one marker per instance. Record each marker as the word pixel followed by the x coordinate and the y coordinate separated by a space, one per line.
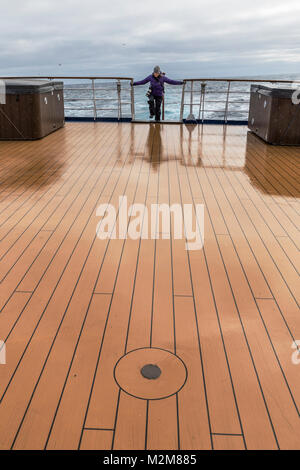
pixel 151 106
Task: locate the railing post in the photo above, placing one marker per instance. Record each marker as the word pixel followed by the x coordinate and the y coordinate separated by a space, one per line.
pixel 203 106
pixel 191 116
pixel 94 100
pixel 192 98
pixel 202 98
pixel 132 101
pixel 119 99
pixel 227 103
pixel 200 104
pixel 182 101
pixel 163 108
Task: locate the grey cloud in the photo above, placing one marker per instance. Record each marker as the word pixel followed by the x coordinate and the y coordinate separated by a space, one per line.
pixel 188 38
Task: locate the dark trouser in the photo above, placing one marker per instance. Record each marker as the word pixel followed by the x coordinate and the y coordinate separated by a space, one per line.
pixel 154 105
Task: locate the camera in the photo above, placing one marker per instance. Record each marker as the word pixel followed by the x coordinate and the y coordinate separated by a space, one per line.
pixel 148 94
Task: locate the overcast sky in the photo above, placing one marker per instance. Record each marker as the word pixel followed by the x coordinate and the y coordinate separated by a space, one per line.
pixel 187 38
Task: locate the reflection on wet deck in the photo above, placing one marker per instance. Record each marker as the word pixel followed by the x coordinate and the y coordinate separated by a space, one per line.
pixel 81 316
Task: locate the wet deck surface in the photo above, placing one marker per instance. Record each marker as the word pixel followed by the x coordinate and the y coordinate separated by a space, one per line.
pixel 218 322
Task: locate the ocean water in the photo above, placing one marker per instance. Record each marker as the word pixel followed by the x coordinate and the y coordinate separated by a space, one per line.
pixel 78 99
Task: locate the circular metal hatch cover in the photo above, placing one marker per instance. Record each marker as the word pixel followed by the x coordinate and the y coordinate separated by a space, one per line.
pixel 150 373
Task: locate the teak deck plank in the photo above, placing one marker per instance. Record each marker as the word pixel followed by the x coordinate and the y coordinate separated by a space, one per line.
pixel 51 315
pixel 268 368
pixel 223 414
pixel 96 439
pixel 227 442
pixel 73 305
pixel 194 429
pixel 66 433
pixel 104 387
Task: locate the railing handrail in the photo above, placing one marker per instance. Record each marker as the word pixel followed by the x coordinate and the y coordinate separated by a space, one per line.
pixel 50 77
pixel 252 80
pixel 94 99
pixel 98 77
pixel 229 81
pixel 202 104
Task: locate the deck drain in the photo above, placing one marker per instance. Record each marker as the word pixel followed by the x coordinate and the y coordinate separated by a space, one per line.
pixel 150 371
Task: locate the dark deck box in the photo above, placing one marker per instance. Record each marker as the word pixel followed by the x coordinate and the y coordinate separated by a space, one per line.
pixel 33 109
pixel 273 116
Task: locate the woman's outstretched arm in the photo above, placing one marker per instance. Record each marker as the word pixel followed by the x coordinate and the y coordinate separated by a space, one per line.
pixel 142 82
pixel 172 82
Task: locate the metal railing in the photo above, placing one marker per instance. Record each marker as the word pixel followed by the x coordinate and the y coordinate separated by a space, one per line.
pixel 195 96
pixel 89 91
pixel 115 87
pixel 203 96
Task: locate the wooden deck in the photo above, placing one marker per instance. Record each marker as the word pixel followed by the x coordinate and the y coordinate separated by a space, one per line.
pixel 219 322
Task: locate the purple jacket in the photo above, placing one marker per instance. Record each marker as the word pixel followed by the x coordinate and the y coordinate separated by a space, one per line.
pixel 157 84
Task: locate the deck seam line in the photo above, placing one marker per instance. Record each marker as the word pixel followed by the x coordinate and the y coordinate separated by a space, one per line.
pixel 63 184
pixel 82 326
pixel 266 223
pixel 288 179
pixel 258 309
pixel 243 328
pixel 21 173
pixel 24 352
pixel 256 158
pixel 215 305
pixel 47 302
pixel 133 287
pixel 284 179
pixel 263 182
pixel 153 281
pixel 173 288
pixel 258 171
pixel 284 168
pixel 28 269
pixel 195 312
pixel 35 203
pixel 260 237
pixel 92 293
pixel 250 247
pixel 256 191
pixel 101 345
pixel 97 429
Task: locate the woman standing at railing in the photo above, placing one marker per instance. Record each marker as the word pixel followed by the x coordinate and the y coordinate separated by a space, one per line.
pixel 156 79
